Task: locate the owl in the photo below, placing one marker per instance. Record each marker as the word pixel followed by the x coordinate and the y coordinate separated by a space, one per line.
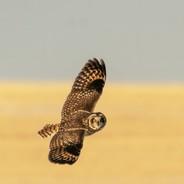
pixel 77 117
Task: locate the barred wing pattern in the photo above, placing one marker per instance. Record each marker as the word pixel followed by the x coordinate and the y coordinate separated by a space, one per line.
pixel 66 144
pixel 65 147
pixel 87 88
pixel 92 74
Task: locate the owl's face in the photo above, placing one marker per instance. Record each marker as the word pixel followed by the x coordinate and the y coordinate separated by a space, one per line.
pixel 96 121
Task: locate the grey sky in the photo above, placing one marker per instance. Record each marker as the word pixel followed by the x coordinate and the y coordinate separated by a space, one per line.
pixel 140 40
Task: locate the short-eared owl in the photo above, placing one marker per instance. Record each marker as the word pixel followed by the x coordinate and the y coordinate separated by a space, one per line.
pixel 78 118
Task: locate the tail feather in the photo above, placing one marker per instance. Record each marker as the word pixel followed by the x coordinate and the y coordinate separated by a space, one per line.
pixel 48 130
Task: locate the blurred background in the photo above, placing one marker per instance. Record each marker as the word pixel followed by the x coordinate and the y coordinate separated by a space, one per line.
pixel 140 40
pixel 44 44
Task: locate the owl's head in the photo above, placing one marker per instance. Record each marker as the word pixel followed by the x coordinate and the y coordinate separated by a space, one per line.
pixel 96 121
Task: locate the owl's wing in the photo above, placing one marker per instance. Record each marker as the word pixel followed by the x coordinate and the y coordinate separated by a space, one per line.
pixel 87 88
pixel 92 76
pixel 65 147
pixel 66 144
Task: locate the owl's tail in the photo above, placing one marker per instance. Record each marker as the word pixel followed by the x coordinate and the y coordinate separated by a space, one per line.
pixel 63 154
pixel 48 130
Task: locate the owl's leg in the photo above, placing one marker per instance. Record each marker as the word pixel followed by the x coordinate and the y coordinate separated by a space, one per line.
pixel 48 129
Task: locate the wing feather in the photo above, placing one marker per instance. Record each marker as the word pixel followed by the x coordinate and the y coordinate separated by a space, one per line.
pixel 66 144
pixel 87 88
pixel 93 70
pixel 65 147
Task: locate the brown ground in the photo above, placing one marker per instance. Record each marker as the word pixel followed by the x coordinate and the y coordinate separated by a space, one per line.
pixel 143 141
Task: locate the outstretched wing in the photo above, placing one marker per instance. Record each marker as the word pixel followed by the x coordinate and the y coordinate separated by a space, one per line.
pixel 87 88
pixel 66 144
pixel 92 76
pixel 65 147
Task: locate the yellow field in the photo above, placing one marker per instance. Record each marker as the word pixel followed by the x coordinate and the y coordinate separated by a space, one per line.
pixel 143 141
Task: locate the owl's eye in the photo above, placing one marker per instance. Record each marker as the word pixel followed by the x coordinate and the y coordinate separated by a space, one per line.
pixel 95 122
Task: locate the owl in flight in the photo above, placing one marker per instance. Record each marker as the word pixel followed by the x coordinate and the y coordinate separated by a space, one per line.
pixel 77 117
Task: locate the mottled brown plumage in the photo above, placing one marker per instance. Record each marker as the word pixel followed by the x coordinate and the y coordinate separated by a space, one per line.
pixel 77 114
